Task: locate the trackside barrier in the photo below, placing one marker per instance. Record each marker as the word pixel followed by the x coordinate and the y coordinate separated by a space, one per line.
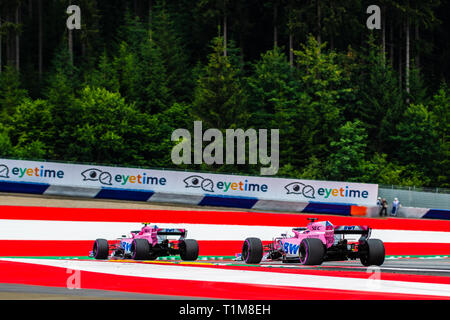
pixel 203 189
pixel 206 200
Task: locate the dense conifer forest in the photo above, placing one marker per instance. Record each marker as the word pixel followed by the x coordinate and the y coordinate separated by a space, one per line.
pixel 350 103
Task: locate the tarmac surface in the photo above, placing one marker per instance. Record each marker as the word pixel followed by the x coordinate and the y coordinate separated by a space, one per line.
pixel 29 292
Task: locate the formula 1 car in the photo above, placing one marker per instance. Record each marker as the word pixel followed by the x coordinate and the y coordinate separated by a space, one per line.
pixel 149 243
pixel 318 242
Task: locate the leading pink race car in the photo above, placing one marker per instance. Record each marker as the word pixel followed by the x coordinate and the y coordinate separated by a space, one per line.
pixel 317 242
pixel 148 243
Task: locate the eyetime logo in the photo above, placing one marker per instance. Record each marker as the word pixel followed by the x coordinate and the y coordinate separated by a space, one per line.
pixel 97 175
pixel 39 171
pixel 327 193
pixel 4 171
pixel 199 182
pixel 299 188
pixel 208 185
pixel 106 178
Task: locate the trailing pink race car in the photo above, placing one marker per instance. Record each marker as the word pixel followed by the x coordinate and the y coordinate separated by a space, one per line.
pixel 149 243
pixel 318 242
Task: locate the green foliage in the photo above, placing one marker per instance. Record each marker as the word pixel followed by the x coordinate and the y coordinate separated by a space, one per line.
pixel 11 93
pixel 378 97
pixel 415 142
pixel 33 122
pixel 219 99
pixel 272 81
pixel 104 76
pixel 323 82
pixel 346 159
pixel 165 123
pixel 5 142
pixel 418 91
pixel 380 170
pixel 340 106
pixel 441 117
pixel 106 128
pixel 62 81
pixel 275 101
pixel 173 52
pixel 139 66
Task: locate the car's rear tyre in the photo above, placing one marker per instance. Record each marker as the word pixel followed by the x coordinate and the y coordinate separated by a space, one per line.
pixel 100 250
pixel 188 250
pixel 373 252
pixel 140 249
pixel 252 250
pixel 311 251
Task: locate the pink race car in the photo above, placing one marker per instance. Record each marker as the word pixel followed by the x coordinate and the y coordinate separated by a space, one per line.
pixel 149 243
pixel 318 242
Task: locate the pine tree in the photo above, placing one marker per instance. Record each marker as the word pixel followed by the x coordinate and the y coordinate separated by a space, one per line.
pixel 33 130
pixel 62 83
pixel 277 102
pixel 272 80
pixel 173 52
pixel 379 101
pixel 324 82
pixel 416 138
pixel 346 159
pixel 140 68
pixel 11 92
pixel 104 76
pixel 219 98
pixel 441 113
pixel 106 128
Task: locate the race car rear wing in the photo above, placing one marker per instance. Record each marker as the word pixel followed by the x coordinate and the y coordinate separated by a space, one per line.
pixel 364 230
pixel 171 232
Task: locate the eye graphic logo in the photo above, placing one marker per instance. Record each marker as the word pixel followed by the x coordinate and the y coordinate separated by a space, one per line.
pixel 299 188
pixel 97 175
pixel 199 182
pixel 4 171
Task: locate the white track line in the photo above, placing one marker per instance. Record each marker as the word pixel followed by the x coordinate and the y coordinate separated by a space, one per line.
pixel 414 269
pixel 248 277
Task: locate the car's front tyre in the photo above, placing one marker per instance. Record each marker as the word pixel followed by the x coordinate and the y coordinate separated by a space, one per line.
pixel 100 250
pixel 140 249
pixel 311 251
pixel 252 250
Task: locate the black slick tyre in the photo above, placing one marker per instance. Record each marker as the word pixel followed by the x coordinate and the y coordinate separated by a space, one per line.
pixel 373 253
pixel 188 250
pixel 100 249
pixel 311 251
pixel 252 250
pixel 140 249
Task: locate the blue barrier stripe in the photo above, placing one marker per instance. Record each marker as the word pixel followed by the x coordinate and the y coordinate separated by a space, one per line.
pixel 23 187
pixel 340 209
pixel 437 214
pixel 124 194
pixel 228 201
